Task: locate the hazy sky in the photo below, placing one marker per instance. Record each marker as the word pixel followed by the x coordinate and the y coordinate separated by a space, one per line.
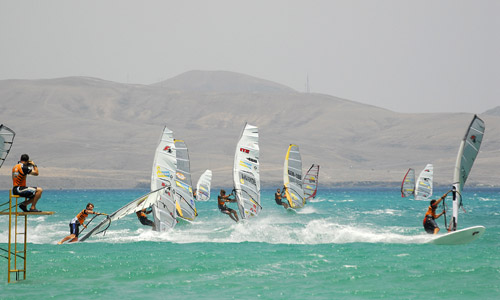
pixel 422 56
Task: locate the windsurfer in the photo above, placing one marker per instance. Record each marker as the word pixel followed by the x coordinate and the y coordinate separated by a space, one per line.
pixel 143 218
pixel 278 197
pixel 222 199
pixel 74 225
pixel 430 224
pixel 20 171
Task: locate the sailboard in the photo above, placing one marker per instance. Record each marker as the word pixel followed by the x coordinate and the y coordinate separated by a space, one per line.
pixel 467 154
pixel 186 208
pixel 162 176
pixel 423 186
pixel 292 177
pixel 6 139
pixel 203 186
pixel 408 184
pixel 246 178
pixel 138 204
pixel 310 183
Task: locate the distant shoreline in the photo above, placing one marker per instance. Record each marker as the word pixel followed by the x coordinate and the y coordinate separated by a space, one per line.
pixel 269 187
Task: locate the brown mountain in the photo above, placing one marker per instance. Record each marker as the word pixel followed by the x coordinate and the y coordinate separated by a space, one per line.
pixel 90 133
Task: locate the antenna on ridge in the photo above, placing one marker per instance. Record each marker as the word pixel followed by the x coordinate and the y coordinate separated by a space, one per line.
pixel 307 84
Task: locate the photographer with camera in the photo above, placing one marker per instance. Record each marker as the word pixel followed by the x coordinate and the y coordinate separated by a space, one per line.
pixel 19 174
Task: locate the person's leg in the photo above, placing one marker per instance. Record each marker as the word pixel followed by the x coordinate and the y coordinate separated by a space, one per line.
pixel 38 195
pixel 71 236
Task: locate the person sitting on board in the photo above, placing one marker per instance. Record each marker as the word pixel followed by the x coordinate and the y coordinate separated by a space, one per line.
pixel 74 225
pixel 222 199
pixel 430 224
pixel 20 171
pixel 143 218
pixel 278 197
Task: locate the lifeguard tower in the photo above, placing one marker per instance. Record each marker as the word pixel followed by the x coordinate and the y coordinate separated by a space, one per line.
pixel 16 249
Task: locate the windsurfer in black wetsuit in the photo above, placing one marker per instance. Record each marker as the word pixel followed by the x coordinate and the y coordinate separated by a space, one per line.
pixel 143 218
pixel 278 197
pixel 221 200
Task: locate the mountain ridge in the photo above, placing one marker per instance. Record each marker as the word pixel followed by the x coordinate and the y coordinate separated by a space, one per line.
pixel 89 133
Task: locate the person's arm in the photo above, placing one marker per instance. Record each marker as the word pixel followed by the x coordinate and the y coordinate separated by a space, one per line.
pixel 441 199
pixel 227 199
pixel 439 215
pixel 34 170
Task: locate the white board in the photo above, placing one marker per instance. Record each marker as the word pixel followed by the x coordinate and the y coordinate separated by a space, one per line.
pixel 459 237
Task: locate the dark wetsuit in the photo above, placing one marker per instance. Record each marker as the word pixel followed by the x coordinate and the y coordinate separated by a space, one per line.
pixel 144 219
pixel 429 220
pixel 222 205
pixel 278 198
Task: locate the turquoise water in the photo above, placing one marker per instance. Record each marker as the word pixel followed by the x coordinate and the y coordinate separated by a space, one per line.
pixel 346 244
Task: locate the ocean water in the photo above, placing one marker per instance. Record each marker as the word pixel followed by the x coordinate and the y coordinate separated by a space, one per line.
pixel 345 244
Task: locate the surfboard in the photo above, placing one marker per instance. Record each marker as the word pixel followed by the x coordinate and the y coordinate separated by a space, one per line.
pixel 467 154
pixel 459 237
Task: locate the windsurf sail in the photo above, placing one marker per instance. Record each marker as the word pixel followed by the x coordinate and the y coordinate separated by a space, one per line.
pixel 423 188
pixel 310 183
pixel 162 176
pixel 408 184
pixel 185 205
pixel 6 139
pixel 292 177
pixel 467 153
pixel 246 176
pixel 203 186
pixel 145 201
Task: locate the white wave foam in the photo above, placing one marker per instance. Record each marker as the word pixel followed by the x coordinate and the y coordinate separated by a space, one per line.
pixel 387 211
pixel 279 228
pixel 306 210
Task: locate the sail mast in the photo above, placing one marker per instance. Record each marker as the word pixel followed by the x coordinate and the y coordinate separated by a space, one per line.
pixel 467 153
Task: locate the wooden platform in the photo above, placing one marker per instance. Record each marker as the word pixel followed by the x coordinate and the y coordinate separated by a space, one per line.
pixel 22 213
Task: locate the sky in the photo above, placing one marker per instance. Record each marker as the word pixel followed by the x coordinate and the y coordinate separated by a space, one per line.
pixel 407 56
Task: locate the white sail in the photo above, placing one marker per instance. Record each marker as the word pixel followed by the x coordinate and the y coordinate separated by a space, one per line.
pixel 6 139
pixel 408 184
pixel 186 208
pixel 246 176
pixel 292 177
pixel 467 153
pixel 423 187
pixel 162 176
pixel 310 183
pixel 203 186
pixel 138 204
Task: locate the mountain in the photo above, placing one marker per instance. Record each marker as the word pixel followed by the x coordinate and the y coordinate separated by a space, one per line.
pixel 90 133
pixel 221 82
pixel 493 112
